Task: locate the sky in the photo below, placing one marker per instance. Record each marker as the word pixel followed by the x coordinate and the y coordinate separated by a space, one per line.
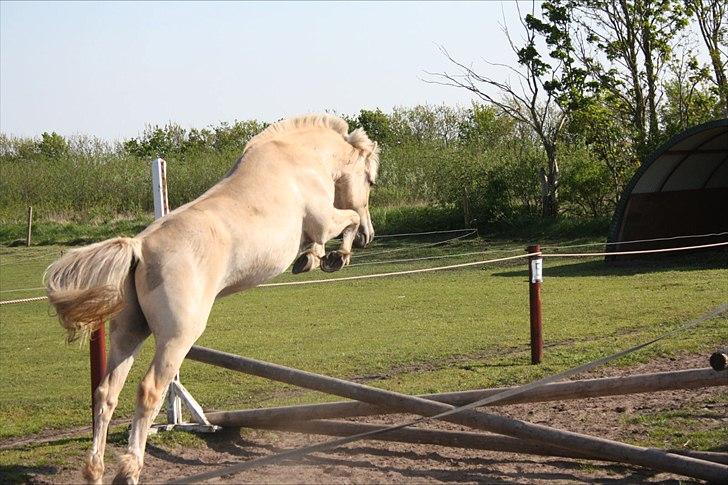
pixel 108 69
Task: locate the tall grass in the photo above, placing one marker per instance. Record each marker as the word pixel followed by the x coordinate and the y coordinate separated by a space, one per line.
pixel 105 186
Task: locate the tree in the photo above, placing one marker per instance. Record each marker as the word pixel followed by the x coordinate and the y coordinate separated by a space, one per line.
pixel 625 45
pixel 53 146
pixel 376 124
pixel 712 18
pixel 546 92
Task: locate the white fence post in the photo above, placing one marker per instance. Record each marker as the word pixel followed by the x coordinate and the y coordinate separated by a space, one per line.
pixel 176 392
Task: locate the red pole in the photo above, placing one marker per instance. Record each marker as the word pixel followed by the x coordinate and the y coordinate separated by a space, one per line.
pixel 98 363
pixel 535 266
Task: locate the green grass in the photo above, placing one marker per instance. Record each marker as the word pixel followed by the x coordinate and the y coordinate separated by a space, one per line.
pixel 692 427
pixel 432 332
pixel 49 232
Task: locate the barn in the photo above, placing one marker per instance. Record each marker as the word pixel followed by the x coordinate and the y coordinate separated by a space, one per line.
pixel 681 189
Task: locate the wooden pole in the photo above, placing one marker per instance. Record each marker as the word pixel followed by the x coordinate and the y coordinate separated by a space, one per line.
pixel 97 346
pixel 611 386
pixel 599 447
pixel 30 226
pixel 454 439
pixel 535 277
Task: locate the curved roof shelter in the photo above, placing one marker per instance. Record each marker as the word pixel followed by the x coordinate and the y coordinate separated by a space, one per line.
pixel 681 189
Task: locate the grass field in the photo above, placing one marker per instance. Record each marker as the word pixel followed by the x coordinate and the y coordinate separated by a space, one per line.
pixel 431 332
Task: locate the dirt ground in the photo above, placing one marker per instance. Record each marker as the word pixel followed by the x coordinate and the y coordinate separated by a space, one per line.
pixel 380 462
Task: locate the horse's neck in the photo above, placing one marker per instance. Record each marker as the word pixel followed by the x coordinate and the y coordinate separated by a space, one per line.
pixel 297 151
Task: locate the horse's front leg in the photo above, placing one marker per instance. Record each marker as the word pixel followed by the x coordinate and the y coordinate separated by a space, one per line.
pixel 346 223
pixel 323 225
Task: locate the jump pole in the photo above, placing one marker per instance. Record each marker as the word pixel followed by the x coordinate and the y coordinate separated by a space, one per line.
pixel 453 439
pixel 598 447
pixel 535 278
pixel 556 391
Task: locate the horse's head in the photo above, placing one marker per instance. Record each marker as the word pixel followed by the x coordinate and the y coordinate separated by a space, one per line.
pixel 356 181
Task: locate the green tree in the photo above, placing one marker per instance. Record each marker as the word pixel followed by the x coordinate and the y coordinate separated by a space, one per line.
pixel 627 45
pixel 52 146
pixel 548 89
pixel 712 19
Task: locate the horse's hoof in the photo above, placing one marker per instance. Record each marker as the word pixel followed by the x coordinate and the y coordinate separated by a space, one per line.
pixel 333 261
pixel 93 471
pixel 304 263
pixel 360 241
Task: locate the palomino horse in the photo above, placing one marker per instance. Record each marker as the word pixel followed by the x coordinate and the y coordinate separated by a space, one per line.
pixel 299 183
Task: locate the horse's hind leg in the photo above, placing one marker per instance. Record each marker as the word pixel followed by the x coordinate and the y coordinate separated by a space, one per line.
pixel 172 345
pixel 128 330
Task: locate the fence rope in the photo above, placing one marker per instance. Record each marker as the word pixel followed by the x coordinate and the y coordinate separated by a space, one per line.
pixel 408 260
pixel 397 273
pixel 452 266
pixel 429 245
pixel 22 289
pixel 382 236
pixel 31 259
pixel 642 251
pixel 23 300
pixel 635 241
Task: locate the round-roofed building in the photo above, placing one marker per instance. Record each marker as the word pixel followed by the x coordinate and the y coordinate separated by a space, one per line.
pixel 681 189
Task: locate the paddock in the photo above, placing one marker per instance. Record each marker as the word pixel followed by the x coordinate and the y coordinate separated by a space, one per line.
pixel 428 437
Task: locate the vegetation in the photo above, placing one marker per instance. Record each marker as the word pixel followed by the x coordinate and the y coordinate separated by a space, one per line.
pixel 598 84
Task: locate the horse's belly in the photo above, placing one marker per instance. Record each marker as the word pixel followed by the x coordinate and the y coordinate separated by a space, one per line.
pixel 258 270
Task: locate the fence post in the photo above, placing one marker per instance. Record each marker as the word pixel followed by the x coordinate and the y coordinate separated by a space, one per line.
pixel 535 277
pixel 97 353
pixel 159 188
pixel 30 225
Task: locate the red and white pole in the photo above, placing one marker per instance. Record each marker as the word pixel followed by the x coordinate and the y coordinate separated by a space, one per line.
pixel 97 346
pixel 535 277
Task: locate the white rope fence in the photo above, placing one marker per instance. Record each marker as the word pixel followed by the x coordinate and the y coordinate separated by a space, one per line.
pixel 14 290
pixel 625 253
pixel 23 300
pixel 636 241
pixel 451 231
pixel 420 246
pixel 398 273
pixel 452 266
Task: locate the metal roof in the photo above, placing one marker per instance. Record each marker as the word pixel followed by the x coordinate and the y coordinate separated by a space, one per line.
pixel 694 159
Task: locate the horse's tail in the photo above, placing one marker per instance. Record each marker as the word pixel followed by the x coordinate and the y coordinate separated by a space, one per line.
pixel 86 285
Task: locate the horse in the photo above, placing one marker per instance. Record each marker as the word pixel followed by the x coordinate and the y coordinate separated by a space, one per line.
pixel 298 183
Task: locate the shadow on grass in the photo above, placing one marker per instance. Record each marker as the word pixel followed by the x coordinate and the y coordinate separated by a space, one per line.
pixel 629 268
pixel 24 474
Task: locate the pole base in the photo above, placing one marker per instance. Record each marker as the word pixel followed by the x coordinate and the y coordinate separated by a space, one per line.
pixel 189 427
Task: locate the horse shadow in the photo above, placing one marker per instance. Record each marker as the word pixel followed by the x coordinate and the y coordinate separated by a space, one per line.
pixel 12 474
pixel 336 462
pixel 694 262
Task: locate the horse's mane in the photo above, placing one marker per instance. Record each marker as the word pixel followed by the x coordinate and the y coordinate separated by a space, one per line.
pixel 357 138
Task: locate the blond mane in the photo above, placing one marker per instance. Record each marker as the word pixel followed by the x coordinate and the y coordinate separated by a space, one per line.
pixel 292 124
pixel 357 138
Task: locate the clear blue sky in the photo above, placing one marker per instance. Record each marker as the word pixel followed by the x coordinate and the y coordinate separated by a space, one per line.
pixel 108 69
